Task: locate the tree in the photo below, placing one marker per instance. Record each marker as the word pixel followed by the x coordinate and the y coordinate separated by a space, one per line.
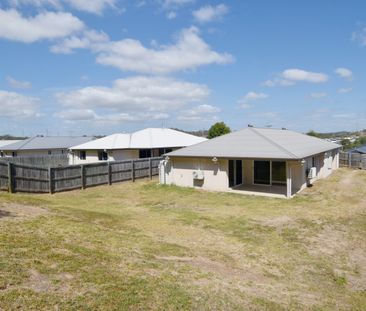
pixel 346 143
pixel 218 129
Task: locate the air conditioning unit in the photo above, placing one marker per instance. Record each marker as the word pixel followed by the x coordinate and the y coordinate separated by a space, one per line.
pixel 198 175
pixel 312 173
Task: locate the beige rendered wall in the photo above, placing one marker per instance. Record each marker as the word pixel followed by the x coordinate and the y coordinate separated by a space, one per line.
pixel 120 155
pixel 248 167
pixel 113 155
pixel 179 172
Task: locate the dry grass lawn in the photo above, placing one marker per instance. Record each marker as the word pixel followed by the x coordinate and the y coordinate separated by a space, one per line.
pixel 142 246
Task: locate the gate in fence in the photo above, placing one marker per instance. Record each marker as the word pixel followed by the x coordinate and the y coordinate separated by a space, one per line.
pixel 355 160
pixel 23 178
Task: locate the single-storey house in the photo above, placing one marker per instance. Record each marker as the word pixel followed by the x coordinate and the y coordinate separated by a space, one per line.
pixel 42 146
pixel 276 162
pixel 4 143
pixel 146 143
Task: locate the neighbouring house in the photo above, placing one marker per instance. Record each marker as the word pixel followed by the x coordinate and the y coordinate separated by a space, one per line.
pixel 4 143
pixel 43 146
pixel 276 162
pixel 361 150
pixel 146 143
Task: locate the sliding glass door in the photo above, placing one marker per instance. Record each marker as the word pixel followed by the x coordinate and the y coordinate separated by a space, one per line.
pixel 262 172
pixel 235 172
pixel 278 172
pixel 270 172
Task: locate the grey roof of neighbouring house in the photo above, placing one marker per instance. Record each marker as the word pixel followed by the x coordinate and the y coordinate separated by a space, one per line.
pixel 55 142
pixel 361 149
pixel 4 143
pixel 262 143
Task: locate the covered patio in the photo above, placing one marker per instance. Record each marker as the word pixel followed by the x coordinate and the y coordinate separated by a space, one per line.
pixel 260 177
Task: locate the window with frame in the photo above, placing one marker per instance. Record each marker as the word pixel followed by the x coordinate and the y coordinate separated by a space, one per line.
pixel 49 152
pixel 82 155
pixel 14 154
pixel 102 155
pixel 144 153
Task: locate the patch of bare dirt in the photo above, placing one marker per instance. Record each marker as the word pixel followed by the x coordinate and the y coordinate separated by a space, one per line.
pixel 20 211
pixel 38 282
pixel 348 179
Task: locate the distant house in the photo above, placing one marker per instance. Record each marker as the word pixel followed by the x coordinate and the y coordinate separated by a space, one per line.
pixel 42 146
pixel 253 161
pixel 150 142
pixel 361 150
pixel 4 143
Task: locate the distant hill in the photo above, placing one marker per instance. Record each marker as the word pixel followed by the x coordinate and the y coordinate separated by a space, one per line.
pixel 339 134
pixel 11 137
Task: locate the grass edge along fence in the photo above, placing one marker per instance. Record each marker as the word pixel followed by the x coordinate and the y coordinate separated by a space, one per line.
pixel 32 179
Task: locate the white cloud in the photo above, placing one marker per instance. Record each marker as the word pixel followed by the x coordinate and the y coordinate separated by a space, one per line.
pixel 250 97
pixel 344 90
pixel 318 95
pixel 171 15
pixel 135 98
pixel 299 75
pixel 16 106
pixel 344 115
pixel 344 73
pixel 187 53
pixel 199 113
pixel 175 3
pixel 290 77
pixel 46 25
pixel 87 115
pixel 18 84
pixel 88 39
pixel 360 36
pixel 210 13
pixel 94 6
pixel 77 114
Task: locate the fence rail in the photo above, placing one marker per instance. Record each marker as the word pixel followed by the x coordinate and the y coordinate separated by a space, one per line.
pixel 354 160
pixel 24 178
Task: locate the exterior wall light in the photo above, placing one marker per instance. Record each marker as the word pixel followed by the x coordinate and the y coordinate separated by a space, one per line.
pixel 215 160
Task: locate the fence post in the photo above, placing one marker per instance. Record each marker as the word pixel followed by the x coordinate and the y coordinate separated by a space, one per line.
pixel 349 159
pixel 50 179
pixel 10 177
pixel 82 176
pixel 133 170
pixel 109 173
pixel 150 168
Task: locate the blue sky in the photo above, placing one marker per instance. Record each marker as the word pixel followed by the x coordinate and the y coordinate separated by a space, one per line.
pixel 105 66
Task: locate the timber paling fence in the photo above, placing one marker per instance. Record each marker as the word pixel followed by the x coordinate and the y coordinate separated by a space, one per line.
pixel 40 161
pixel 353 160
pixel 23 178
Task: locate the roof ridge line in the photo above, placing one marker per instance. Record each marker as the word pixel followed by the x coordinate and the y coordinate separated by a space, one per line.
pixel 114 140
pixel 130 139
pixel 275 144
pixel 26 142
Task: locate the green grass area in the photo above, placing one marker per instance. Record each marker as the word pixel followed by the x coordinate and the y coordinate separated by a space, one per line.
pixel 143 246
